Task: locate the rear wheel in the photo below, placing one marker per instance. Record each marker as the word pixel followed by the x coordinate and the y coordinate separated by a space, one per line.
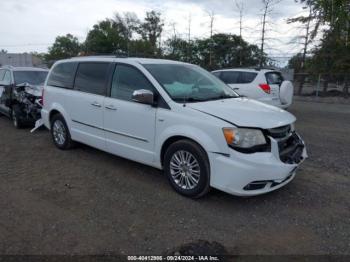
pixel 187 168
pixel 60 133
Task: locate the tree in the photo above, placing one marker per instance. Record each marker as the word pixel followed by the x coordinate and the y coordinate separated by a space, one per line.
pixel 63 47
pixel 223 47
pixel 177 49
pixel 128 24
pixel 106 37
pixel 308 37
pixel 3 51
pixel 152 28
pixel 267 10
pixel 330 58
pixel 295 63
pixel 228 51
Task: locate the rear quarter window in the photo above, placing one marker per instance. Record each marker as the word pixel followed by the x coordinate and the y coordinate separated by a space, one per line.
pixel 274 78
pixel 62 75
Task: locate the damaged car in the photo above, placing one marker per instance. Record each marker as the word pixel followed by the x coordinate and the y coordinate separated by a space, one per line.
pixel 21 94
pixel 176 117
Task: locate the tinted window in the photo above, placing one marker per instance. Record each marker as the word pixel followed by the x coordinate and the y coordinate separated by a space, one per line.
pixel 274 78
pixel 126 80
pixel 230 77
pixel 92 77
pixel 247 77
pixel 62 75
pixel 30 77
pixel 217 74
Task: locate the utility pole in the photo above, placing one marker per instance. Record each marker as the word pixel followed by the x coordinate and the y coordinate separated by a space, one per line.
pixel 306 44
pixel 240 7
pixel 266 8
pixel 212 18
pixel 189 55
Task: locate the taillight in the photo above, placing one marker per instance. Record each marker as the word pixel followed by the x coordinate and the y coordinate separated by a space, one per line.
pixel 266 88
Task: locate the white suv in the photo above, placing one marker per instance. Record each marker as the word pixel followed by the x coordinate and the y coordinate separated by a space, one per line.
pixel 265 85
pixel 172 116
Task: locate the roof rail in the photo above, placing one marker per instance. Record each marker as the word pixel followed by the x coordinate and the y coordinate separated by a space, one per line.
pixel 264 67
pixel 104 55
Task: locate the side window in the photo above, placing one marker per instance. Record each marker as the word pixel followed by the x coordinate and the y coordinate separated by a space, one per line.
pixel 217 74
pixel 62 75
pixel 230 77
pixel 247 77
pixel 126 80
pixel 92 77
pixel 2 74
pixel 7 78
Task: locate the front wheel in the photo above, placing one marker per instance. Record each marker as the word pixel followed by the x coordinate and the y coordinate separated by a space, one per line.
pixel 187 168
pixel 16 117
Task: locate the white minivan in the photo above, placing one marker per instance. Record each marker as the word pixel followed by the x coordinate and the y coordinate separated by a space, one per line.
pixel 176 117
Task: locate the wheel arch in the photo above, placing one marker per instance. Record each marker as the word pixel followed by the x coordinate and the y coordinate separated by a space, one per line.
pixel 52 113
pixel 173 139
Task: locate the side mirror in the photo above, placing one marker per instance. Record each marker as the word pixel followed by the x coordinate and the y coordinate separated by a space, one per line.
pixel 143 96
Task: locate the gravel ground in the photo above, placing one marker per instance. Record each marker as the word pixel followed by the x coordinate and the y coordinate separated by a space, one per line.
pixel 85 201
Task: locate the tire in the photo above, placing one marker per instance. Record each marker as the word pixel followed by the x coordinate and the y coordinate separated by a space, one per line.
pixel 183 177
pixel 60 133
pixel 16 117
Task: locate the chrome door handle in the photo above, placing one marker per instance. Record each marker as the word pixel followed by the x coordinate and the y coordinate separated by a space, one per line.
pixel 96 104
pixel 110 107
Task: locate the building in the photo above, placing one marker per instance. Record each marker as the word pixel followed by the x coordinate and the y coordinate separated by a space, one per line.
pixel 21 60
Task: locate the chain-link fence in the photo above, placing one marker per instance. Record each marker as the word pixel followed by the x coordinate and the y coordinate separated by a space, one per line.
pixel 321 85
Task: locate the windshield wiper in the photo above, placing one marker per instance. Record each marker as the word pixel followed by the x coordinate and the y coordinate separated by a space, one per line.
pixel 188 99
pixel 221 97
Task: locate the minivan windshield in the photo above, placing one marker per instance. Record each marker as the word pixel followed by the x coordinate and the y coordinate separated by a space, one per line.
pixel 30 77
pixel 189 83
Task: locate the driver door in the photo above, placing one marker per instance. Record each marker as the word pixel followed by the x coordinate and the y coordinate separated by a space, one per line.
pixel 129 126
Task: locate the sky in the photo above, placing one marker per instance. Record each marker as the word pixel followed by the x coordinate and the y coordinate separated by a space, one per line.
pixel 32 25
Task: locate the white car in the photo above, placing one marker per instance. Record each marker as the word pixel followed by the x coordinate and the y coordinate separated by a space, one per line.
pixel 265 85
pixel 176 117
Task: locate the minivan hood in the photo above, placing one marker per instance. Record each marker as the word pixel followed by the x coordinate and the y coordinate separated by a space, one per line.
pixel 245 112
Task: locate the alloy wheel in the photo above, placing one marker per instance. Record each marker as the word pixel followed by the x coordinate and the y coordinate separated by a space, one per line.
pixel 59 132
pixel 185 169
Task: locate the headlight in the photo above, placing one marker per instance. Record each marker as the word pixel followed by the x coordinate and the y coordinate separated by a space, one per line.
pixel 244 138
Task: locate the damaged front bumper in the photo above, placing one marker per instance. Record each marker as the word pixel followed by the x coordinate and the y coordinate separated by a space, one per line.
pixel 258 173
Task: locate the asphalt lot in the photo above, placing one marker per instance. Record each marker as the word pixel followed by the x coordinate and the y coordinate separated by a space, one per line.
pixel 85 201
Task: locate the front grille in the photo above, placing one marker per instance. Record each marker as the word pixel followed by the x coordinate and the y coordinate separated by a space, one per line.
pixel 291 149
pixel 289 144
pixel 280 132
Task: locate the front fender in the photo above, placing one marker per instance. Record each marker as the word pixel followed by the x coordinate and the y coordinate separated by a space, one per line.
pixel 193 133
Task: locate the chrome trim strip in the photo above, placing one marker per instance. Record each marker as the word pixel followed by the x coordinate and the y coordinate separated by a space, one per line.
pixel 110 131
